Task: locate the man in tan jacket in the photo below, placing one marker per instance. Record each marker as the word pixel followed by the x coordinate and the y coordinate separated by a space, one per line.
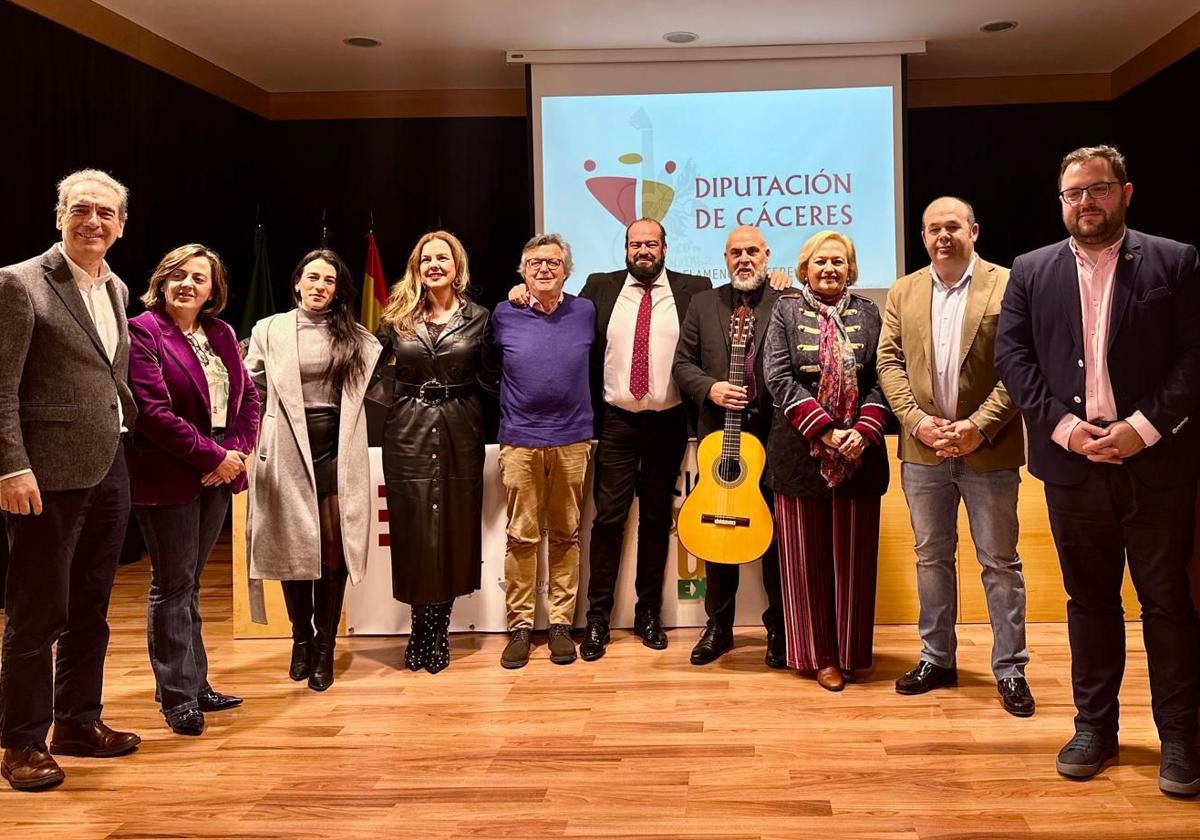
pixel 960 438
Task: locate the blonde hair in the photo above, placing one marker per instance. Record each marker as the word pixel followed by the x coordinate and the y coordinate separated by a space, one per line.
pixel 813 244
pixel 407 297
pixel 215 304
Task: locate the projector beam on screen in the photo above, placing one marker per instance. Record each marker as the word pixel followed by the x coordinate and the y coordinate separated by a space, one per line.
pixel 791 145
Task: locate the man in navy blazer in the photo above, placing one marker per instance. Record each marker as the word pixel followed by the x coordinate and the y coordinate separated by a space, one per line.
pixel 1099 345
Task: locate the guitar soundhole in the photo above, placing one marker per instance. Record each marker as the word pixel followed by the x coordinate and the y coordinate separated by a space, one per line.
pixel 729 470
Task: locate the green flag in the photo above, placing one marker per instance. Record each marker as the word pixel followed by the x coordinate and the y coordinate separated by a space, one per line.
pixel 260 300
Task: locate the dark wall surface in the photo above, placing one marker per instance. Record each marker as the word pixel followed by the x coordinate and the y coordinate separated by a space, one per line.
pixel 188 158
pixel 1005 159
pixel 464 175
pixel 1161 151
pixel 200 169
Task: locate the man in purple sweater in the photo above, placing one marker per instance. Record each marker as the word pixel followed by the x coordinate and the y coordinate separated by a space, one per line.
pixel 545 441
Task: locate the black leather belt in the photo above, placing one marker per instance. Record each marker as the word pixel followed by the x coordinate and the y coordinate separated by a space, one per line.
pixel 434 392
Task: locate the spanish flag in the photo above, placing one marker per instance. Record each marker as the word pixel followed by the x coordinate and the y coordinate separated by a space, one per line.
pixel 375 290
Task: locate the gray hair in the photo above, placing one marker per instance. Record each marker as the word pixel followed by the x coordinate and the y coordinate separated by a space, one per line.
pixel 100 177
pixel 541 239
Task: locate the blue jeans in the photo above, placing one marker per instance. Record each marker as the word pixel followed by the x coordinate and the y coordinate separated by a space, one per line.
pixel 933 493
pixel 179 539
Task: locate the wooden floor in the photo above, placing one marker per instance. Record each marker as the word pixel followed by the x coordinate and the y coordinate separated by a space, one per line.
pixel 638 744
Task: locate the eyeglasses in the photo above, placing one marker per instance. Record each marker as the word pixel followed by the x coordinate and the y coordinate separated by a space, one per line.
pixel 1098 191
pixel 550 262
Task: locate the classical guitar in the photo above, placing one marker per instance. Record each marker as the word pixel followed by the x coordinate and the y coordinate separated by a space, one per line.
pixel 725 518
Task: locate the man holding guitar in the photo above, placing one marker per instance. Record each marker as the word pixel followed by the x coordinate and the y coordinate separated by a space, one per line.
pixel 702 371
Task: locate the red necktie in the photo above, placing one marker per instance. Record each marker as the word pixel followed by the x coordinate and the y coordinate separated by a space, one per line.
pixel 639 371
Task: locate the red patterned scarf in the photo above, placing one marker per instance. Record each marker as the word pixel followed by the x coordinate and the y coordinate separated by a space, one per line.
pixel 837 391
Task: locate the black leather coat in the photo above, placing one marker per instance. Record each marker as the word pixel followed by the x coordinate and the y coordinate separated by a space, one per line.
pixel 433 454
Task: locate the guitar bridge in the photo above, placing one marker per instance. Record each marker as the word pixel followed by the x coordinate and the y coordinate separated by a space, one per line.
pixel 728 521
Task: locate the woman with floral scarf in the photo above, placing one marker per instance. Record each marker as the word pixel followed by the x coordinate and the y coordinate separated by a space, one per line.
pixel 828 465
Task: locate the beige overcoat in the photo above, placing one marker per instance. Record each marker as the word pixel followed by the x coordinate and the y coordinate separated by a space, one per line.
pixel 282 532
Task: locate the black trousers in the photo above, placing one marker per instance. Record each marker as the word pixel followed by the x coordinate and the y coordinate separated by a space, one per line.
pixel 638 454
pixel 1097 525
pixel 3 559
pixel 720 597
pixel 61 567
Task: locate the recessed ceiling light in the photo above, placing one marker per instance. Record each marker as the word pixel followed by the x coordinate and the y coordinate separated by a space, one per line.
pixel 998 26
pixel 681 37
pixel 361 41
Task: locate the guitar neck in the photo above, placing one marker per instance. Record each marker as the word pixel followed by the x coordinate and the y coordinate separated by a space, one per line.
pixel 731 444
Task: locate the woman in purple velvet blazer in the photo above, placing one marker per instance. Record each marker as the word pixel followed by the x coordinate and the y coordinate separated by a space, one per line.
pixel 197 421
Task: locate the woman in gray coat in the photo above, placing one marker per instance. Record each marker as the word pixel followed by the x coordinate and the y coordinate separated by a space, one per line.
pixel 437 357
pixel 310 501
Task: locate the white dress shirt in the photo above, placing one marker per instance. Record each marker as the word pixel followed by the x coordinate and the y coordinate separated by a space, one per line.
pixel 946 325
pixel 664 335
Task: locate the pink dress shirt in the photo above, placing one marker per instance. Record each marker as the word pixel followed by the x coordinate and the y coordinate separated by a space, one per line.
pixel 1096 280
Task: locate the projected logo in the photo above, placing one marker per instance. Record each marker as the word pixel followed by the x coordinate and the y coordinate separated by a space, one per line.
pixel 630 197
pixel 618 194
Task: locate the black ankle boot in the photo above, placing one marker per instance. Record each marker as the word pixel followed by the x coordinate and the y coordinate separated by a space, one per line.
pixel 327 610
pixel 298 598
pixel 301 661
pixel 439 620
pixel 418 643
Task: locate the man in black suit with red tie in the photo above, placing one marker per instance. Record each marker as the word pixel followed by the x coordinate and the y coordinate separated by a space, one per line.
pixel 641 426
pixel 1099 345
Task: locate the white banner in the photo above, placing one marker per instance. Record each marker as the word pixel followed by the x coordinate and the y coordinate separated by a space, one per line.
pixel 370 609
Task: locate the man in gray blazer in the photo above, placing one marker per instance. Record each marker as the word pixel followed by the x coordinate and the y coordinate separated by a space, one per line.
pixel 64 406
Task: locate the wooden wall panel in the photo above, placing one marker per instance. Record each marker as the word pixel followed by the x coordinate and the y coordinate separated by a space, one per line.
pixel 896 592
pixel 277 626
pixel 896 599
pixel 1046 599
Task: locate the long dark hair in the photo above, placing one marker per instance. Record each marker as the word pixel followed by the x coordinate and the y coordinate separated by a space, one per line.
pixel 347 359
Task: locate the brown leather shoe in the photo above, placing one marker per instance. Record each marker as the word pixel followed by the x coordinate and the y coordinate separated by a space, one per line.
pixel 91 740
pixel 30 768
pixel 831 678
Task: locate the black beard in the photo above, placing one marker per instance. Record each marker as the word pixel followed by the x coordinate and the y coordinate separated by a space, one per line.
pixel 644 274
pixel 1101 232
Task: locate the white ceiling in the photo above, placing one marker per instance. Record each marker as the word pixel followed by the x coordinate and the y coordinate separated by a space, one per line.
pixel 295 45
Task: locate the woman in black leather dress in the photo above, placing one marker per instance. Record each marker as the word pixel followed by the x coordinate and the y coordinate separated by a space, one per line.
pixel 437 358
